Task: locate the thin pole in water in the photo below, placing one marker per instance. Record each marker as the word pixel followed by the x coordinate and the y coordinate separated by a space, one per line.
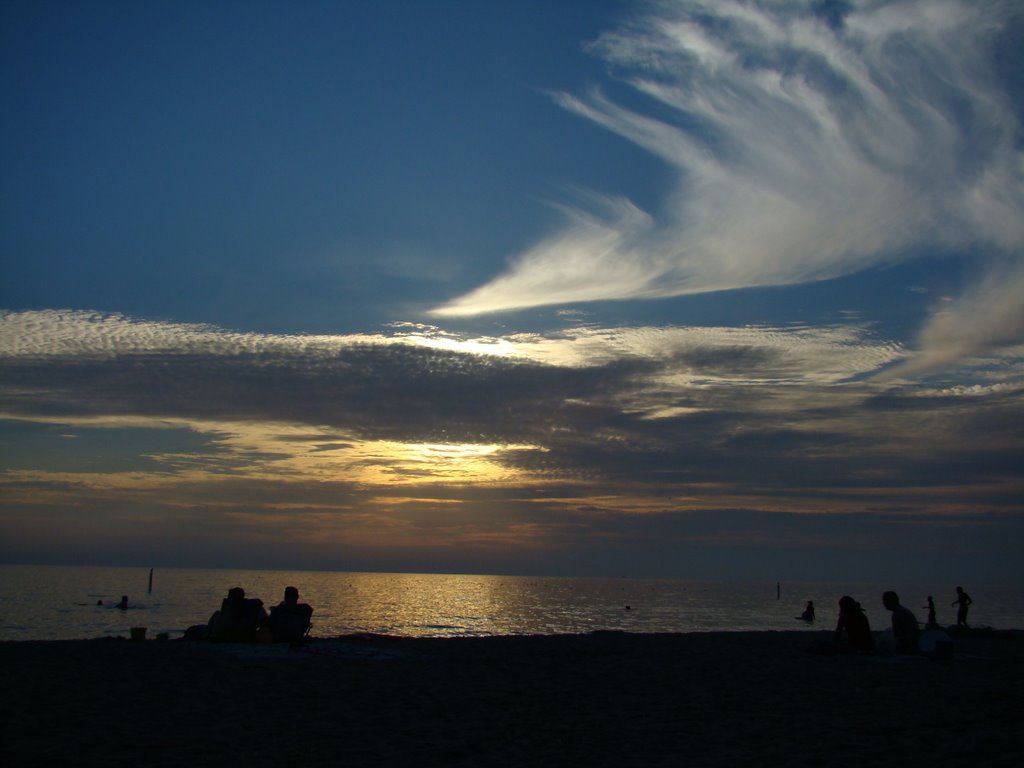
pixel 778 588
pixel 150 581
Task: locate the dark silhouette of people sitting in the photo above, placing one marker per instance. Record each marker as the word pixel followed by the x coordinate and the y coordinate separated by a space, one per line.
pixel 904 624
pixel 931 613
pixel 963 601
pixel 239 618
pixel 854 623
pixel 808 614
pixel 290 620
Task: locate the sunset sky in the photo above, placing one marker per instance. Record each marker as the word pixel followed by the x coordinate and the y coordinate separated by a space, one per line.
pixel 695 289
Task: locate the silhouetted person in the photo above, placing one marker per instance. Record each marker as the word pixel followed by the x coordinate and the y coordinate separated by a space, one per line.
pixel 963 600
pixel 290 620
pixel 904 623
pixel 123 605
pixel 854 623
pixel 931 613
pixel 238 619
pixel 808 614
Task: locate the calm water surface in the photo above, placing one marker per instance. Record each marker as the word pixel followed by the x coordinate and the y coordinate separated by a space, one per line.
pixel 55 603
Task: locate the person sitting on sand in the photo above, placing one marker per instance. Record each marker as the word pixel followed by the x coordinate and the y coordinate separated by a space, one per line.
pixel 964 601
pixel 854 622
pixel 904 624
pixel 808 614
pixel 238 619
pixel 290 620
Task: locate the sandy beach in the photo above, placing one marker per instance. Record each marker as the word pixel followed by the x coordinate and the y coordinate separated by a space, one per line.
pixel 602 699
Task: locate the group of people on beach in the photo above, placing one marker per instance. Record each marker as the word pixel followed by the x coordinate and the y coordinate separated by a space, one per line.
pixel 243 619
pixel 853 631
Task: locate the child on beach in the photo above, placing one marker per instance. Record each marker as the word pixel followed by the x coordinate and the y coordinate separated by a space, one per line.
pixel 931 613
pixel 854 623
pixel 853 632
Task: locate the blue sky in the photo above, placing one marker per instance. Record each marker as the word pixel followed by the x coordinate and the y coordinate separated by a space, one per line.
pixel 694 289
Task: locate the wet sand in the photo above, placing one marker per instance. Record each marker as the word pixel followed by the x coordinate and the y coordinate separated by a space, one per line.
pixel 605 699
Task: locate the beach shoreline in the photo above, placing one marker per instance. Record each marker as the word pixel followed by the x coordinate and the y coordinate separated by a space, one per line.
pixel 605 698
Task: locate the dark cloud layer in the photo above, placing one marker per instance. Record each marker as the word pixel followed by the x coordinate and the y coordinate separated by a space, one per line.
pixel 367 452
pixel 394 391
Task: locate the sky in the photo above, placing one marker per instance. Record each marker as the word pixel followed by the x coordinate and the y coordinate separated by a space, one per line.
pixel 698 289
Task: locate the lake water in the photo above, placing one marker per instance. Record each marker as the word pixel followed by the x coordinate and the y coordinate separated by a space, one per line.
pixel 61 602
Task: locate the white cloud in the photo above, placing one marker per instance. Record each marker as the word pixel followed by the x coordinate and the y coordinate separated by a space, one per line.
pixel 804 150
pixel 989 316
pixel 419 381
pixel 797 354
pixel 84 334
pixel 594 249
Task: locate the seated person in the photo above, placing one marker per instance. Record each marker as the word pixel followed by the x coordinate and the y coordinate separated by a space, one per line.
pixel 904 624
pixel 290 620
pixel 238 619
pixel 808 614
pixel 854 623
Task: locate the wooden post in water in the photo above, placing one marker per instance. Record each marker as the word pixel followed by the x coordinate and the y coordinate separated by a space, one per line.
pixel 778 588
pixel 151 581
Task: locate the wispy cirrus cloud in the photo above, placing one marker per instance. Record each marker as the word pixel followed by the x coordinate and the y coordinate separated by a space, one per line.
pixel 989 316
pixel 807 145
pixel 412 383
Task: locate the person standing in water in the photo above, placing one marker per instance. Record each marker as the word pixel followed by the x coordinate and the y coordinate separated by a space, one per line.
pixel 963 600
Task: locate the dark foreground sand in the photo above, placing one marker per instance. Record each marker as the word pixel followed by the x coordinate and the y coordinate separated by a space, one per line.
pixel 607 699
